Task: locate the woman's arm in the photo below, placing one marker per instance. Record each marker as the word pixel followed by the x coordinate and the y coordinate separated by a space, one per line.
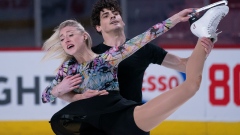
pixel 116 54
pixel 60 87
pixel 47 95
pixel 64 90
pixel 52 92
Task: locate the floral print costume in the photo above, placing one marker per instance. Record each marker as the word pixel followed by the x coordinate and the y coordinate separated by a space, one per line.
pixel 101 72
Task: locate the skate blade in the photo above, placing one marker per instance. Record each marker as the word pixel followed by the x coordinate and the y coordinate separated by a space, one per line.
pixel 225 2
pixel 212 5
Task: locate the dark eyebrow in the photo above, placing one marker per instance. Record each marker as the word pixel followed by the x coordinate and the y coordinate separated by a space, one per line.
pixel 105 13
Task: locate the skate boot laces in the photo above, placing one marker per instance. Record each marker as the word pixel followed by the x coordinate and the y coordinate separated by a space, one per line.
pixel 213 24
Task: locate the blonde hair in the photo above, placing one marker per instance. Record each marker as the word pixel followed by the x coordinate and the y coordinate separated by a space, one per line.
pixel 53 47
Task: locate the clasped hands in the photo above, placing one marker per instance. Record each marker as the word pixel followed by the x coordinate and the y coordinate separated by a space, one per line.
pixel 71 82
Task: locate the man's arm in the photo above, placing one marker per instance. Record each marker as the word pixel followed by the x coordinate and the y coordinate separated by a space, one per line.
pixel 116 54
pixel 72 97
pixel 175 62
pixel 178 63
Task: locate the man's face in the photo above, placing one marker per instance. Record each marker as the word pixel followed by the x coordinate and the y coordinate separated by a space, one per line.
pixel 110 20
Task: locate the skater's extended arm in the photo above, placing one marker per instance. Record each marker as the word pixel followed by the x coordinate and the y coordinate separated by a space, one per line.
pixel 116 54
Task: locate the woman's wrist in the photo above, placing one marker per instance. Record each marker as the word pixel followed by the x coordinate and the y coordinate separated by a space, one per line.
pixel 55 92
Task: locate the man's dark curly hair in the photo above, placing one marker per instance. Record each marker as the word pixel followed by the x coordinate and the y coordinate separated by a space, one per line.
pixel 99 6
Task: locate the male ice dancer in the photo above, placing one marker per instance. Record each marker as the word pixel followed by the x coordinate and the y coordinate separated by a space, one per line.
pixel 107 20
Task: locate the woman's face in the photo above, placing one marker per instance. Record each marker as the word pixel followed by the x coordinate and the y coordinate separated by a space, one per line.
pixel 72 40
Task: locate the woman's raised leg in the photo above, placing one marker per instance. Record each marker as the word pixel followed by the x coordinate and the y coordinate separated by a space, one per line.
pixel 153 112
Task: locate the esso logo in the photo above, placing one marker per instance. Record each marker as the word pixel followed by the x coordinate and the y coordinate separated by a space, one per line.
pixel 158 79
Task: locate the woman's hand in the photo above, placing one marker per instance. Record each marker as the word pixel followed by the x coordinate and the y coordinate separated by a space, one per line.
pixel 68 84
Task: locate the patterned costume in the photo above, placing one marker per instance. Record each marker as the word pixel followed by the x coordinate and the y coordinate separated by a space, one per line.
pixel 110 113
pixel 101 72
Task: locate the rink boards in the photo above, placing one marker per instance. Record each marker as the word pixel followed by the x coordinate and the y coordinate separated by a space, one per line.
pixel 214 110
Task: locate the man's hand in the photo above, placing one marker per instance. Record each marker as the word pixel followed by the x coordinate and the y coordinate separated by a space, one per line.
pixel 92 93
pixel 89 94
pixel 207 44
pixel 181 16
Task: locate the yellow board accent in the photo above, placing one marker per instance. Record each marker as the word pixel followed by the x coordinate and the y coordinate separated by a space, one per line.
pixel 197 128
pixel 166 128
pixel 25 128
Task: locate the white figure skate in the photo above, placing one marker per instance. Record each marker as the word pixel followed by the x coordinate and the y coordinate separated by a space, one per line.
pixel 206 26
